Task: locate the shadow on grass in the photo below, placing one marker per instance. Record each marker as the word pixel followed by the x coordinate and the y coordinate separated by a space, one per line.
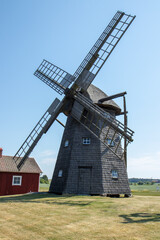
pixel 140 217
pixel 46 198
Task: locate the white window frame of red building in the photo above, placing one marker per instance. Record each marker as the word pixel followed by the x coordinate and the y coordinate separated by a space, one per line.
pixel 19 183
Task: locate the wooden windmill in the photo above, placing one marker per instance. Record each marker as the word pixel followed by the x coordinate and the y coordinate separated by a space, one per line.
pixel 91 158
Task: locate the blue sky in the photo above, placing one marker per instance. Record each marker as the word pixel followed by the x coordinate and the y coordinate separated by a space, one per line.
pixel 63 32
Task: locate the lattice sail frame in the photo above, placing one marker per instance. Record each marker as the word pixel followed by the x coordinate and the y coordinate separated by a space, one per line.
pixel 53 76
pixel 41 127
pixel 104 46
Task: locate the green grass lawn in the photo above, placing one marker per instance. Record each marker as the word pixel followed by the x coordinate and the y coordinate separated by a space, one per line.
pixel 51 217
pixel 43 216
pixel 145 190
pixel 44 187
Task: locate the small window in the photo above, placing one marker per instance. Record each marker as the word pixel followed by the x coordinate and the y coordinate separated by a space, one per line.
pixel 60 173
pixel 86 140
pixel 114 174
pixel 110 142
pixel 66 144
pixel 17 180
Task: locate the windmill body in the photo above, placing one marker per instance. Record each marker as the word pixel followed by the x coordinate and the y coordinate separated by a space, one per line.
pixel 84 164
pixel 93 152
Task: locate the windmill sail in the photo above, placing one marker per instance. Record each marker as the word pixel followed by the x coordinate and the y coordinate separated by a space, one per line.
pixel 102 49
pixel 41 128
pixel 101 124
pixel 54 77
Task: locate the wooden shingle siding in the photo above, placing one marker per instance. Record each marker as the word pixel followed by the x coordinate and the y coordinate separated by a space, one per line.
pixel 94 155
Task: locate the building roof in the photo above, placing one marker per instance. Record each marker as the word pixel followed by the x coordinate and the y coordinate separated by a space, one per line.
pixel 7 164
pixel 95 94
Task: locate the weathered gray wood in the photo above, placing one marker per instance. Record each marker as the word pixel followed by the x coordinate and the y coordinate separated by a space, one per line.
pixel 77 110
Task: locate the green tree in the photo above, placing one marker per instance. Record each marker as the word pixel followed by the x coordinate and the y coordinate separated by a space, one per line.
pixel 140 183
pixel 44 179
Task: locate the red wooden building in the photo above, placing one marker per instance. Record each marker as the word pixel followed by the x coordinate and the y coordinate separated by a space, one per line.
pixel 13 181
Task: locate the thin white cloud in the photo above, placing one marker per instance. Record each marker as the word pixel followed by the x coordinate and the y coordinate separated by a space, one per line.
pixel 47 153
pixel 147 166
pixel 48 161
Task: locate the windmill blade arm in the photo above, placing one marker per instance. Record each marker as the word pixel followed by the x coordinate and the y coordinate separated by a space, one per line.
pixel 54 77
pixel 97 121
pixel 103 47
pixel 41 127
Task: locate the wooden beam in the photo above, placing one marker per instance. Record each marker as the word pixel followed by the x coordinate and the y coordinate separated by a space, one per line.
pixel 112 97
pixel 60 123
pixel 122 113
pixel 125 128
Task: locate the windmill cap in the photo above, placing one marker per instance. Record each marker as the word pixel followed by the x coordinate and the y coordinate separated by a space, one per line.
pixel 95 94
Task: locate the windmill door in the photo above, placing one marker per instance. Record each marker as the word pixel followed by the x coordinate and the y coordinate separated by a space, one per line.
pixel 84 180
